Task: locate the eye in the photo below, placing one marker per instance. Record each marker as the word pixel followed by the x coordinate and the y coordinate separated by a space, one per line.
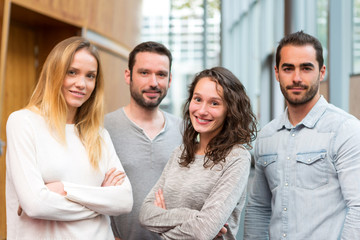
pixel 307 68
pixel 144 73
pixel 196 99
pixel 287 69
pixel 163 75
pixel 91 75
pixel 71 72
pixel 215 103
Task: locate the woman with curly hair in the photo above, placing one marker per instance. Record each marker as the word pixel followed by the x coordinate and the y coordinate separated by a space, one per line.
pixel 201 192
pixel 63 176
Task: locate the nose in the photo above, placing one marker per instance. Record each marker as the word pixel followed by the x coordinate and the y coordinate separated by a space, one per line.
pixel 153 80
pixel 203 110
pixel 297 77
pixel 80 82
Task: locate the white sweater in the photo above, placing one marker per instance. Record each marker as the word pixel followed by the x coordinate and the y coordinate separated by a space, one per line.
pixel 34 158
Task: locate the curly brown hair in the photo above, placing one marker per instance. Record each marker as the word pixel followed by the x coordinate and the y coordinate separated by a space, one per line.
pixel 239 125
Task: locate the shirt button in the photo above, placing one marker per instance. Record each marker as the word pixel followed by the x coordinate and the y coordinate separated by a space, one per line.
pixel 285 208
pixel 293 134
pixel 284 234
pixel 265 162
pixel 286 184
pixel 309 160
pixel 288 158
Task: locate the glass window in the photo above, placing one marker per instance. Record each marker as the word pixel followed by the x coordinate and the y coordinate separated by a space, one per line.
pixel 356 37
pixel 322 26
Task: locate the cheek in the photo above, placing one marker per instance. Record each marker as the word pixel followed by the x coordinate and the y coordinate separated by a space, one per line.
pixel 90 87
pixel 192 108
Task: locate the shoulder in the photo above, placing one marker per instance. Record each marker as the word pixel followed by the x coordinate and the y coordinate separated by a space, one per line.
pixel 23 116
pixel 270 128
pixel 25 122
pixel 336 119
pixel 338 114
pixel 173 125
pixel 176 153
pixel 115 120
pixel 239 152
pixel 238 159
pixel 114 116
pixel 172 119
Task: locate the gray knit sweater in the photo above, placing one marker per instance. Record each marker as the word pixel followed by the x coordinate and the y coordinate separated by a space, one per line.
pixel 199 200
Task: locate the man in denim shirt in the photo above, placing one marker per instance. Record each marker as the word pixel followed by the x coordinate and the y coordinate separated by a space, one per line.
pixel 307 161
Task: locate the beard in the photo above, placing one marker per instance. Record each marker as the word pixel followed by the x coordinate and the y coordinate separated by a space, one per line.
pixel 310 93
pixel 141 101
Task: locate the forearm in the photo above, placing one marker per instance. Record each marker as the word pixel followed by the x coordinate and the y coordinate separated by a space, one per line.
pixel 226 199
pixel 258 209
pixel 160 220
pixel 52 206
pixel 257 223
pixel 112 200
pixel 351 229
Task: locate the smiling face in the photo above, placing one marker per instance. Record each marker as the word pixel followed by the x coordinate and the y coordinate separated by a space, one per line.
pixel 80 80
pixel 207 108
pixel 149 79
pixel 299 75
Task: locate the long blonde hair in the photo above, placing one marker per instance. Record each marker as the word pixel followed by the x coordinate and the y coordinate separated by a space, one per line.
pixel 49 100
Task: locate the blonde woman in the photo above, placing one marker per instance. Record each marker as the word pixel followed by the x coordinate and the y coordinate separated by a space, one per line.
pixel 63 176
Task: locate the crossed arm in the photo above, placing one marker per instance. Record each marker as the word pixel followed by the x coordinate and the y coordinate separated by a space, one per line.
pixel 211 219
pixel 61 200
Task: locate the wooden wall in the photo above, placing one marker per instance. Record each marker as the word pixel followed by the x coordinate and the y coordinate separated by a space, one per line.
pixel 29 29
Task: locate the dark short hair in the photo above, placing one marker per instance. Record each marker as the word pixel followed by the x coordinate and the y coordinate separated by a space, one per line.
pixel 300 39
pixel 153 47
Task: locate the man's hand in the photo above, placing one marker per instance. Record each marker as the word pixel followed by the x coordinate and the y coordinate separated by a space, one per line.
pixel 113 178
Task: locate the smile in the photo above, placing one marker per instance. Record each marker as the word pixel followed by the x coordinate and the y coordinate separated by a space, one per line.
pixel 202 121
pixel 80 94
pixel 152 94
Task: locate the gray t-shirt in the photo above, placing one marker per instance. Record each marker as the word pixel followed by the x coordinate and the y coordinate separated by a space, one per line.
pixel 143 160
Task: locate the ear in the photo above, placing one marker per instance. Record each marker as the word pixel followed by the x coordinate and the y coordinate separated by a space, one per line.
pixel 127 75
pixel 170 78
pixel 322 73
pixel 276 73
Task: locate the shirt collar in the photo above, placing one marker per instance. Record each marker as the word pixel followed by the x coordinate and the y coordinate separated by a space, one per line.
pixel 311 118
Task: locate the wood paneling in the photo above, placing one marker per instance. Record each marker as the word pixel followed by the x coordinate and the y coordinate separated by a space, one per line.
pixel 19 83
pixel 354 96
pixel 124 16
pixel 116 90
pixel 324 89
pixel 115 19
pixel 71 11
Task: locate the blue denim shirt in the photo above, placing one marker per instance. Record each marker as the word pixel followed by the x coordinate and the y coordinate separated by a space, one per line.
pixel 307 178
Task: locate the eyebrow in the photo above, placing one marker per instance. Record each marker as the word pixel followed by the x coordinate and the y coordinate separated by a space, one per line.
pixel 287 65
pixel 211 98
pixel 308 64
pixel 77 69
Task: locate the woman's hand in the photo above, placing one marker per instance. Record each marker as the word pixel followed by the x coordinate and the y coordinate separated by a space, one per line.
pixel 159 199
pixel 57 187
pixel 223 230
pixel 113 178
